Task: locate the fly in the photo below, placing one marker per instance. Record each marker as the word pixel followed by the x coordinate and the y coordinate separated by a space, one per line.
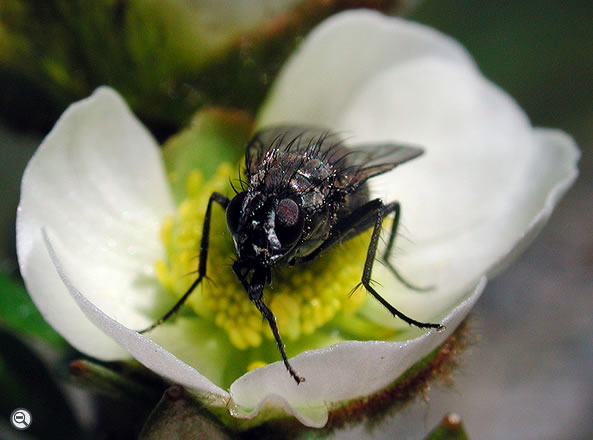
pixel 306 193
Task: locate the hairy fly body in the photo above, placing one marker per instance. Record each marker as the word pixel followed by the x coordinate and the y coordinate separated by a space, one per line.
pixel 306 192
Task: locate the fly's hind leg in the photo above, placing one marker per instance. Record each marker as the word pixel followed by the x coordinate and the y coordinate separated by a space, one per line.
pixel 222 201
pixel 395 207
pixel 383 211
pixel 371 214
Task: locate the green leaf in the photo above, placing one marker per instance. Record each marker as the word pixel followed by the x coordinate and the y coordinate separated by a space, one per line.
pixel 19 314
pixel 213 137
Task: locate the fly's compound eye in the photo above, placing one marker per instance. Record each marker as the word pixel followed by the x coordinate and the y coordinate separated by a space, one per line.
pixel 289 222
pixel 233 212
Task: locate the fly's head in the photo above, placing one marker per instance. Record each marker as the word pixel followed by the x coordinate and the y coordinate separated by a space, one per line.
pixel 266 229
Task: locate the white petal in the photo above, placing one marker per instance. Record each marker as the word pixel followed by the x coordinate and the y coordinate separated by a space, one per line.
pixel 556 170
pixel 143 349
pixel 468 200
pixel 477 143
pixel 98 184
pixel 347 370
pixel 343 53
pixel 487 183
pixel 477 191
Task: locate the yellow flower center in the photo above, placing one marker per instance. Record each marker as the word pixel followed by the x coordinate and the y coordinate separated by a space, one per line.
pixel 303 298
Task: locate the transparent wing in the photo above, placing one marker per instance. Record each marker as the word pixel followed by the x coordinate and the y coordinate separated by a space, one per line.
pixel 353 165
pixel 369 160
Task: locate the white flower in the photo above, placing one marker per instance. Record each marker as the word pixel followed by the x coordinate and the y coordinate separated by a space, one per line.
pixel 95 193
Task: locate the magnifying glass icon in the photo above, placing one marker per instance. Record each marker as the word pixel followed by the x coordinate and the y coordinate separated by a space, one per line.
pixel 21 418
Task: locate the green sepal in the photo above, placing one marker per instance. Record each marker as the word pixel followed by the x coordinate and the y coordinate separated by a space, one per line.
pixel 214 136
pixel 179 416
pixel 450 428
pixel 120 380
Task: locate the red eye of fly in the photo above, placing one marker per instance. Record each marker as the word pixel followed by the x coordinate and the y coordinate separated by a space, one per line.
pixel 287 213
pixel 289 222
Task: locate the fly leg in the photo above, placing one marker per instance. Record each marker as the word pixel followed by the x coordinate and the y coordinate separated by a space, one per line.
pixel 255 289
pixel 222 201
pixel 371 214
pixel 381 212
pixel 396 209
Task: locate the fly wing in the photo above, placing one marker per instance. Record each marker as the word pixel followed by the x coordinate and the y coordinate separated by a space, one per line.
pixel 352 166
pixel 366 161
pixel 285 138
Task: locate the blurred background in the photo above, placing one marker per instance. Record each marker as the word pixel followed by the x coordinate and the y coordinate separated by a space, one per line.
pixel 529 376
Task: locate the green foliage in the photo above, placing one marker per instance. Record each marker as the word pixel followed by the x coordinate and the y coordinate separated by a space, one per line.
pixel 167 58
pixel 19 314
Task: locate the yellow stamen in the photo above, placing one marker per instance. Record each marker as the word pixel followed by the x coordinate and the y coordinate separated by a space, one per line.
pixel 256 364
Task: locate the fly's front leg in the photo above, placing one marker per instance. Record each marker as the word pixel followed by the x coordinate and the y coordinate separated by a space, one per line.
pixel 381 213
pixel 222 201
pixel 255 289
